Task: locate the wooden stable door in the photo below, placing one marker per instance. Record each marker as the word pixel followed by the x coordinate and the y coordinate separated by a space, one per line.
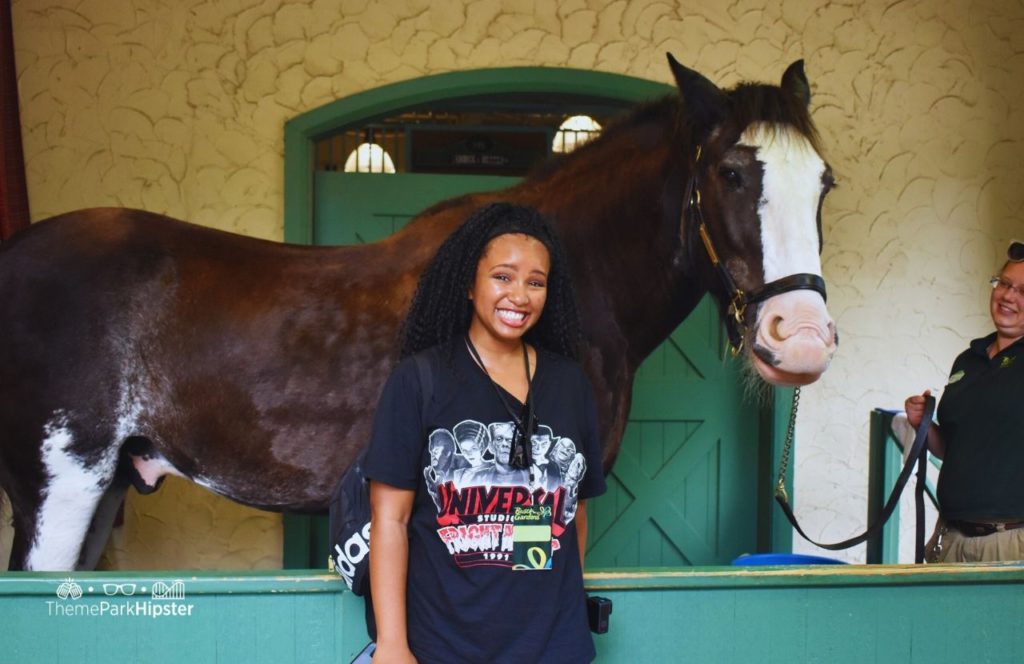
pixel 355 208
pixel 684 489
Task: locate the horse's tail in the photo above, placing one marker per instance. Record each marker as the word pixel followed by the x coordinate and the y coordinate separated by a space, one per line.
pixel 6 531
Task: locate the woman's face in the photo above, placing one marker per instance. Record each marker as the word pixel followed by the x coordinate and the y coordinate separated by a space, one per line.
pixel 510 288
pixel 473 449
pixel 1007 306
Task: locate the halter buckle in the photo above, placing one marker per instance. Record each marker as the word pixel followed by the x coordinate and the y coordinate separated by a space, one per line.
pixel 738 306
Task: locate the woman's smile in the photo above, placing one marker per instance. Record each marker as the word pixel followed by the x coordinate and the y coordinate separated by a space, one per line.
pixel 513 318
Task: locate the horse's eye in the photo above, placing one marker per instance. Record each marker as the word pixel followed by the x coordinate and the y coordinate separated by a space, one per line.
pixel 731 177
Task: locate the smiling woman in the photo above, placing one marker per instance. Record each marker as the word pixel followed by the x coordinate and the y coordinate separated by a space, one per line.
pixel 501 532
pixel 979 435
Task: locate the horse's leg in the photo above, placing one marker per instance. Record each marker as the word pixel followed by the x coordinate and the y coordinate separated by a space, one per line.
pixel 68 501
pixel 102 523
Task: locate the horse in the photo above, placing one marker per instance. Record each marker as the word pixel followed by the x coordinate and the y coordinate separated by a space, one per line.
pixel 133 345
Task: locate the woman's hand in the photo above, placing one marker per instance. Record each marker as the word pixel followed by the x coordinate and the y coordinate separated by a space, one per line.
pixel 393 655
pixel 914 406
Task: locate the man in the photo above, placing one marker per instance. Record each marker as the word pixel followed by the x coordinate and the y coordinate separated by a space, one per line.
pixel 980 434
pixel 545 472
pixel 441 445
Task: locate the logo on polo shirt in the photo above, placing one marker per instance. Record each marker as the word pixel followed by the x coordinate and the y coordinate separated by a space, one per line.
pixel 955 377
pixel 1007 361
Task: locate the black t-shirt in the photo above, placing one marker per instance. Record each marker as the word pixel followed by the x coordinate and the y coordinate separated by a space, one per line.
pixel 465 602
pixel 981 416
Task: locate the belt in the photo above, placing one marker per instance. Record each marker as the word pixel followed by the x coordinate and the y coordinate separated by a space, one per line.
pixel 971 529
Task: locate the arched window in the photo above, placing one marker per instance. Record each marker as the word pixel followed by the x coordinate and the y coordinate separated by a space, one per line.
pixel 574 132
pixel 369 158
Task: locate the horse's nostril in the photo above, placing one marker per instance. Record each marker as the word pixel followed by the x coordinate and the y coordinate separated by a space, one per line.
pixel 774 328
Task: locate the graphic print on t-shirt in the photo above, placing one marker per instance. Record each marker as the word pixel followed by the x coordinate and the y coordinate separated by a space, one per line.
pixel 476 492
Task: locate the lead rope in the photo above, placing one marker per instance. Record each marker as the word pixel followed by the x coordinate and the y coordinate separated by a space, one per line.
pixel 916 457
pixel 780 484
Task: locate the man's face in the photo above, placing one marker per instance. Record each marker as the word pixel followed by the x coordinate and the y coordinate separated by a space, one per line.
pixel 541 444
pixel 441 446
pixel 501 441
pixel 564 451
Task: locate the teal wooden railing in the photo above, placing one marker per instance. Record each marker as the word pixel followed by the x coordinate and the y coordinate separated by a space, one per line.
pixel 835 614
pixel 886 461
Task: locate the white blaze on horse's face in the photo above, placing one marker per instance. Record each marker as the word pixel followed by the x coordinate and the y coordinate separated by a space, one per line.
pixel 794 338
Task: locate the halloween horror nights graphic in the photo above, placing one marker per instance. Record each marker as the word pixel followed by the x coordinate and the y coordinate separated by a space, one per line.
pixel 478 494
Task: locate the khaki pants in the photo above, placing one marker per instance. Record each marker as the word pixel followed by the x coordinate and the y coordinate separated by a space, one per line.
pixel 949 545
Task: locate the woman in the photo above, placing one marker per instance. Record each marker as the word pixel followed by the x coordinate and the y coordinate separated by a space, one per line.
pixel 980 434
pixel 494 572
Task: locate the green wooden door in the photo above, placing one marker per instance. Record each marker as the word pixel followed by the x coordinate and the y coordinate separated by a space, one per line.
pixel 353 208
pixel 684 487
pixel 683 491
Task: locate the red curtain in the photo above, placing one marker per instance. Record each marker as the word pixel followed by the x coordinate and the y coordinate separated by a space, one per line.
pixel 13 192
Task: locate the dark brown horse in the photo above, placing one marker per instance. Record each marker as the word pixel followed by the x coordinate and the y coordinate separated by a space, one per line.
pixel 133 345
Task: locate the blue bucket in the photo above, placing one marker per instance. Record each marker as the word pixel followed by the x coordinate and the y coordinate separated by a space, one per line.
pixel 785 559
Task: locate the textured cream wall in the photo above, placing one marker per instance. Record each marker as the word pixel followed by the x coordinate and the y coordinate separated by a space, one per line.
pixel 178 106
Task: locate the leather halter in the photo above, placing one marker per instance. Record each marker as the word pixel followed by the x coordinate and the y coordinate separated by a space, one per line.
pixel 735 323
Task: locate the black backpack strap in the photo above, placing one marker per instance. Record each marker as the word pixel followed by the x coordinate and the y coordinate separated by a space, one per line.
pixel 425 369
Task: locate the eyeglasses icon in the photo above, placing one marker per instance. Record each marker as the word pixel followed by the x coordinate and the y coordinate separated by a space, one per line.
pixel 111 589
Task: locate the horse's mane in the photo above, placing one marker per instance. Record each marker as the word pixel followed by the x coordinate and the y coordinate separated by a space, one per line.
pixel 748 103
pixel 769 104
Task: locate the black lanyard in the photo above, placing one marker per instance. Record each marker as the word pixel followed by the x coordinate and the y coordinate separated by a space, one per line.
pixel 520 455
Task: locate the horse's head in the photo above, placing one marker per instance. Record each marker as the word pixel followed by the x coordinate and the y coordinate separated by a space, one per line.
pixel 753 210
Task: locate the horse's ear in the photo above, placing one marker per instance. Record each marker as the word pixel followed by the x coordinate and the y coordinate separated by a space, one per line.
pixel 794 81
pixel 704 100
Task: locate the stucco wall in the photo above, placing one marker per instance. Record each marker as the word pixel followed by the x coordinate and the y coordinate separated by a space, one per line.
pixel 178 107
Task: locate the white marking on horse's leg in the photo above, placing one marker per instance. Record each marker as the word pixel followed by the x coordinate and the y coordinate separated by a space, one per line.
pixel 791 189
pixel 70 496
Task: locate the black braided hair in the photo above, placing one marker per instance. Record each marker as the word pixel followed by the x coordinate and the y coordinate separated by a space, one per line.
pixel 441 310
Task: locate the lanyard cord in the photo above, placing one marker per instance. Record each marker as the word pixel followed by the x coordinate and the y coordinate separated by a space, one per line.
pixel 520 454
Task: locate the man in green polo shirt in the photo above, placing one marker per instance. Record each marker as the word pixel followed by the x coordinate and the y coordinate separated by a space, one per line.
pixel 980 434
